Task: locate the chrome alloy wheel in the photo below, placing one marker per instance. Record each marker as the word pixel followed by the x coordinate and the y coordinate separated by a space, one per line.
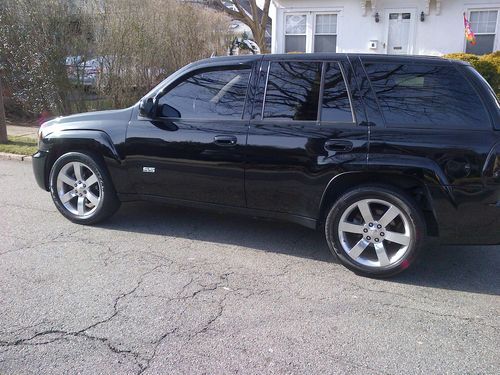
pixel 374 233
pixel 79 189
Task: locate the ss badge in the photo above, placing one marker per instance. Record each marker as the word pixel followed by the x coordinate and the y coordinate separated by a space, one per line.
pixel 148 169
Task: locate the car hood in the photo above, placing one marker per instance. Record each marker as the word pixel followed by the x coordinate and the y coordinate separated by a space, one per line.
pixel 99 120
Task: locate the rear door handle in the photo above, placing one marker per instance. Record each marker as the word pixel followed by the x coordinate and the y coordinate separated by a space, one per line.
pixel 338 145
pixel 225 140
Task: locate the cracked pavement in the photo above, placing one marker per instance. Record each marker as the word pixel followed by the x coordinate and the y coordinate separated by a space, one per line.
pixel 162 290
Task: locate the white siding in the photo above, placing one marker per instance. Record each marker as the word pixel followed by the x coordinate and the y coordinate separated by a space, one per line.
pixel 439 34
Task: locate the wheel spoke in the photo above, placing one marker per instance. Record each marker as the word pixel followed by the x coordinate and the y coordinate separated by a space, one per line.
pixel 351 228
pixel 91 180
pixel 389 216
pixel 382 254
pixel 81 205
pixel 400 238
pixel 92 198
pixel 67 197
pixel 364 208
pixel 356 251
pixel 67 180
pixel 77 168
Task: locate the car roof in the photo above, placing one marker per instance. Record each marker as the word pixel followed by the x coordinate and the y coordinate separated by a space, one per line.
pixel 331 56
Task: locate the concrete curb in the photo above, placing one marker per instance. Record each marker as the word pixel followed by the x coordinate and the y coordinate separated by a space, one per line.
pixel 7 156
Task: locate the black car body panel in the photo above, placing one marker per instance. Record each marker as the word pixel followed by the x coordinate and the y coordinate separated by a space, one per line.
pixel 293 168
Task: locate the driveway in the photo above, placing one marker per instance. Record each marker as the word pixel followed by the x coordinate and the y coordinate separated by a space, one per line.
pixel 159 290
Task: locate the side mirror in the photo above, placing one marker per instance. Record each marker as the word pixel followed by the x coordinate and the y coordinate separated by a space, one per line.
pixel 166 110
pixel 146 107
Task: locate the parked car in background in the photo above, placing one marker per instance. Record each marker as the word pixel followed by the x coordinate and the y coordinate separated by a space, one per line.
pixel 86 72
pixel 380 152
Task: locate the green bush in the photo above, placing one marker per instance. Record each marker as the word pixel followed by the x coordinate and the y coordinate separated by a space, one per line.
pixel 487 65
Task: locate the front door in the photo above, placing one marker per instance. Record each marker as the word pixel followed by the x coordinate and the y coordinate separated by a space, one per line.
pixel 398 39
pixel 193 148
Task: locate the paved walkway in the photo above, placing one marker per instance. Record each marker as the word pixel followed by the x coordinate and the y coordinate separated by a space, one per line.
pixel 22 131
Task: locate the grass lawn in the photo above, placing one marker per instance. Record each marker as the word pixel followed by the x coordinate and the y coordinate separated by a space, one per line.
pixel 19 145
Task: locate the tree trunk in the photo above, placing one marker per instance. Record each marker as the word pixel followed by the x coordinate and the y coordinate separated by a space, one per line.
pixel 3 123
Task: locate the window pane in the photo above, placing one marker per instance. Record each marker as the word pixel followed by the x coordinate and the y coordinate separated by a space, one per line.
pixel 295 24
pixel 325 43
pixel 484 45
pixel 483 21
pixel 326 24
pixel 416 95
pixel 492 16
pixel 295 43
pixel 293 91
pixel 211 94
pixel 336 105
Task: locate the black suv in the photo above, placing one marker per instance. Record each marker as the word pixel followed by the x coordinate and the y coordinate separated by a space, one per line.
pixel 380 151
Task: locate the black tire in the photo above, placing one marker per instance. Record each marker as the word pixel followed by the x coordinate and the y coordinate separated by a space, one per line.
pixel 108 200
pixel 399 256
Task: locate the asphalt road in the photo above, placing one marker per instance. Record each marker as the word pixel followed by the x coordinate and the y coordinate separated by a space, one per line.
pixel 159 290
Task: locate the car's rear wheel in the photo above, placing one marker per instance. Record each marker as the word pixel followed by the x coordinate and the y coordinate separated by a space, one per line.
pixel 82 189
pixel 375 231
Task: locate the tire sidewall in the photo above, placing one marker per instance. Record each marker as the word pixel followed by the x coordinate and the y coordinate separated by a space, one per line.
pixel 100 174
pixel 399 199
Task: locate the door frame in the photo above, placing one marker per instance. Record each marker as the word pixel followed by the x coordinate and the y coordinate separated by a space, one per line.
pixel 413 27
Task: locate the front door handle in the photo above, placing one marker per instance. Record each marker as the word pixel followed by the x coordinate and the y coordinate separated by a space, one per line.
pixel 225 140
pixel 338 145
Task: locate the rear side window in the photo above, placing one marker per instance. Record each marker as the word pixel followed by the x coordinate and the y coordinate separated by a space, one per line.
pixel 293 91
pixel 426 96
pixel 336 105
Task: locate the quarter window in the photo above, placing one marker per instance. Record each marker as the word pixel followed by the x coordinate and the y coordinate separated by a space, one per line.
pixel 325 36
pixel 484 26
pixel 207 94
pixel 293 91
pixel 426 96
pixel 336 105
pixel 295 32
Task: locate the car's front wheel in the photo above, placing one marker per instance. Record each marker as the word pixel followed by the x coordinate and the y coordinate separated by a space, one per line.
pixel 82 189
pixel 375 231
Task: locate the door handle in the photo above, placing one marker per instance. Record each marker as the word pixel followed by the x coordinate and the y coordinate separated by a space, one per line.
pixel 338 145
pixel 225 140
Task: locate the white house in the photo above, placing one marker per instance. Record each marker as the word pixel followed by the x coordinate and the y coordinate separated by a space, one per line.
pixel 424 27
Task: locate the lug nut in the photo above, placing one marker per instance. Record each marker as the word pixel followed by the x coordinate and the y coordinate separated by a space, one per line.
pixel 365 230
pixel 382 234
pixel 85 192
pixel 376 239
pixel 368 238
pixel 76 185
pixel 84 185
pixel 378 226
pixel 371 224
pixel 80 194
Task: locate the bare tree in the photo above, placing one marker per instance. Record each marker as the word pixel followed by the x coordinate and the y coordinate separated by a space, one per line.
pixel 255 22
pixel 3 124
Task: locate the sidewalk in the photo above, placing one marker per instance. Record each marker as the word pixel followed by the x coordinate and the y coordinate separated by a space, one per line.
pixel 22 131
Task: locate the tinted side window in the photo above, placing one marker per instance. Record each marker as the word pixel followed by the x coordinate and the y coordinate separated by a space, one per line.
pixel 293 91
pixel 416 95
pixel 207 94
pixel 336 105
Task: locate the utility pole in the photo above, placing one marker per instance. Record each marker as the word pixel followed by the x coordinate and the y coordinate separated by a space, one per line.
pixel 3 123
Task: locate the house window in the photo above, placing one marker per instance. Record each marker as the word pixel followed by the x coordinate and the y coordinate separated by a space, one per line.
pixel 325 33
pixel 295 32
pixel 484 25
